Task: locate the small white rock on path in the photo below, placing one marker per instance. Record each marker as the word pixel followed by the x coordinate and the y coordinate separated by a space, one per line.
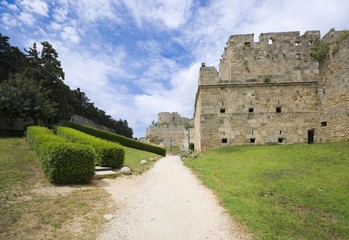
pixel 166 203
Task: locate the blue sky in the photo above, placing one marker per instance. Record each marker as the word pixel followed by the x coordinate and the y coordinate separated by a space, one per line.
pixel 135 58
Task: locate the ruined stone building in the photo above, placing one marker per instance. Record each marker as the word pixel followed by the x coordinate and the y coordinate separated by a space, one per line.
pixel 273 91
pixel 171 130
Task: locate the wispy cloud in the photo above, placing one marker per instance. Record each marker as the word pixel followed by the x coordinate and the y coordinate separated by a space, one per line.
pixel 70 34
pixel 34 6
pixel 171 13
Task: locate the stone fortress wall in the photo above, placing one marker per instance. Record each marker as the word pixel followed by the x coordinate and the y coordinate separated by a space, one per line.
pixel 273 91
pixel 334 90
pixel 171 131
pixel 172 118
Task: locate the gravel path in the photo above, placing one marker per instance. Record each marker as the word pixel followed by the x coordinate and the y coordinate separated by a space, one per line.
pixel 167 202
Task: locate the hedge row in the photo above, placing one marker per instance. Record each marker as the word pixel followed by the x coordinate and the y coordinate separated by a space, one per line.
pixel 62 162
pixel 38 135
pixel 127 142
pixel 107 153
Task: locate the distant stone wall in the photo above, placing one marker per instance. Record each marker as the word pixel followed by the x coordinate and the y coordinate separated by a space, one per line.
pixel 171 131
pixel 20 124
pixel 172 118
pixel 84 121
pixel 334 114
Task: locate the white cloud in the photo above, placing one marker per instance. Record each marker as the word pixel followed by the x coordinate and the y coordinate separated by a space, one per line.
pixel 55 26
pixel 60 14
pixel 94 10
pixel 70 34
pixel 35 6
pixel 180 98
pixel 8 21
pixel 172 13
pixel 12 7
pixel 26 18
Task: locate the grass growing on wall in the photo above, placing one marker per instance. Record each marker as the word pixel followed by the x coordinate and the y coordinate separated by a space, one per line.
pixel 282 192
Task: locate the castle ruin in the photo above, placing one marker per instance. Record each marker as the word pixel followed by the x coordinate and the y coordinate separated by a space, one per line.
pixel 171 130
pixel 273 91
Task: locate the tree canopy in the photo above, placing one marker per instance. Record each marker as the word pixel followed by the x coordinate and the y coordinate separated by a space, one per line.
pixel 32 86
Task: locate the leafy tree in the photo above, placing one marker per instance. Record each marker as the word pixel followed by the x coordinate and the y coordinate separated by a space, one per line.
pixel 12 59
pixel 33 57
pixel 51 65
pixel 22 97
pixel 121 127
pixel 39 91
pixel 80 102
pixel 45 68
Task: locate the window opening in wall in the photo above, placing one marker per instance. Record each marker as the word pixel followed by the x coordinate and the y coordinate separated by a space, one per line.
pixel 252 140
pixel 323 124
pixel 278 110
pixel 224 140
pixel 250 110
pixel 298 56
pixel 278 101
pixel 280 140
pixel 310 43
pixel 222 110
pixel 248 44
pixel 222 103
pixel 252 132
pixel 270 41
pixel 297 43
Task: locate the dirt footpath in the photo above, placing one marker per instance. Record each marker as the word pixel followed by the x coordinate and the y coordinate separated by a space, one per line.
pixel 167 202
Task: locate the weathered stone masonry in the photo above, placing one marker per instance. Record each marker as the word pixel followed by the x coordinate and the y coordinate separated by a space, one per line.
pixel 171 130
pixel 272 91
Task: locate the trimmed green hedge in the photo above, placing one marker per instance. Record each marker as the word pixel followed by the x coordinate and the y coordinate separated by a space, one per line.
pixel 127 142
pixel 37 135
pixel 62 162
pixel 108 154
pixel 65 162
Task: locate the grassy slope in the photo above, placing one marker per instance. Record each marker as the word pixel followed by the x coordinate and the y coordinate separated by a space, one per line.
pixel 134 156
pixel 282 192
pixel 28 214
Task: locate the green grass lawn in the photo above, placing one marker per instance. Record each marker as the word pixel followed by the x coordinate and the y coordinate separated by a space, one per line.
pixel 134 156
pixel 283 191
pixel 29 212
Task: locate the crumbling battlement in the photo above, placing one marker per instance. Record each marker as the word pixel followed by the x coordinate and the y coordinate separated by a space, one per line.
pixel 276 57
pixel 172 118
